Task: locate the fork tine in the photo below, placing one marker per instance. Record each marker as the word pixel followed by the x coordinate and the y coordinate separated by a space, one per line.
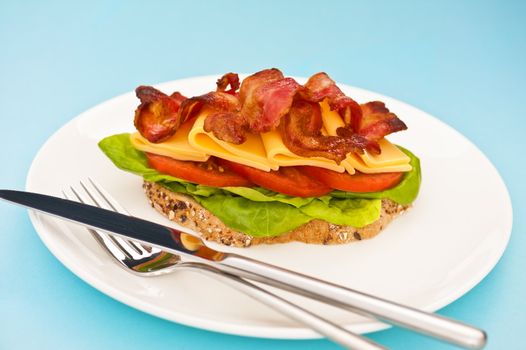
pixel 103 238
pixel 106 196
pixel 115 206
pixel 87 197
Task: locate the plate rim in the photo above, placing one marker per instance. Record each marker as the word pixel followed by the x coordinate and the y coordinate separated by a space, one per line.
pixel 259 330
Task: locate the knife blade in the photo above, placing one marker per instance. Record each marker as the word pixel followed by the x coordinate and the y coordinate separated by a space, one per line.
pixel 129 227
pixel 170 240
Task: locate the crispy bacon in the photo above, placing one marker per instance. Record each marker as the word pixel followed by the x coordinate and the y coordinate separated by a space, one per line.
pixel 266 97
pixel 320 87
pixel 229 79
pixel 364 142
pixel 300 130
pixel 251 83
pixel 227 126
pixel 224 120
pixel 217 101
pixel 377 121
pixel 268 101
pixel 157 118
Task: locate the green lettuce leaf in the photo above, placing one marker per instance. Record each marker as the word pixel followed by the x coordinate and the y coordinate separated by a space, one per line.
pixel 260 212
pixel 258 194
pixel 257 219
pixel 350 212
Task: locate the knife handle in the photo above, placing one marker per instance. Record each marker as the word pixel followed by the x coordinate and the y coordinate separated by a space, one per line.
pixel 325 327
pixel 423 322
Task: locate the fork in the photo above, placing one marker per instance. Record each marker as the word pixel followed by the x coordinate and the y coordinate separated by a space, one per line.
pixel 149 261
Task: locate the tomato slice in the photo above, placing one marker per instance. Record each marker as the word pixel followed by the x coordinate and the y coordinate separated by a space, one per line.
pixel 207 173
pixel 359 182
pixel 287 180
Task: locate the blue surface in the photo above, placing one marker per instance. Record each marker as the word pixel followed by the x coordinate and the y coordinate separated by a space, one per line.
pixel 463 62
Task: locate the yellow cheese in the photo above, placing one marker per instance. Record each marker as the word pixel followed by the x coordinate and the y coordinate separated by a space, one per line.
pixel 279 154
pixel 331 119
pixel 354 161
pixel 251 152
pixel 390 159
pixel 390 155
pixel 176 147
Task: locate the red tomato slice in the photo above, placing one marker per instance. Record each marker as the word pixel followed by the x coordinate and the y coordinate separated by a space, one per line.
pixel 287 180
pixel 358 182
pixel 204 173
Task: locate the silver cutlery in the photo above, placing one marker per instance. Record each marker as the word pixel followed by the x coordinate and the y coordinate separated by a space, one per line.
pixel 193 248
pixel 149 261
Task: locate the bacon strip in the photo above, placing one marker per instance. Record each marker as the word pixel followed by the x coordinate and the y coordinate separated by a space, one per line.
pixel 376 121
pixel 227 126
pixel 156 118
pixel 159 116
pixel 268 101
pixel 266 97
pixel 301 133
pixel 320 87
pixel 224 120
pixel 231 79
pixel 217 101
pixel 371 120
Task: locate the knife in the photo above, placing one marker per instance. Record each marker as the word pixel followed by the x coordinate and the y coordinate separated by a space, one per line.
pixel 193 248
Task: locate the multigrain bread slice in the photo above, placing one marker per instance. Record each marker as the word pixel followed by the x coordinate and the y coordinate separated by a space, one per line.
pixel 188 213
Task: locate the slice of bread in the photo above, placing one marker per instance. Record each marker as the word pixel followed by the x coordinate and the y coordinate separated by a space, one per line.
pixel 188 213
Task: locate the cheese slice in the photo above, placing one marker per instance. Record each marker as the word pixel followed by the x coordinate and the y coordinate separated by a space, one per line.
pixel 357 163
pixel 251 152
pixel 279 154
pixel 390 159
pixel 331 119
pixel 390 155
pixel 176 147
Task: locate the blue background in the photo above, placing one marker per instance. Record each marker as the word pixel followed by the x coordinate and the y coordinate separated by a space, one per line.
pixel 463 62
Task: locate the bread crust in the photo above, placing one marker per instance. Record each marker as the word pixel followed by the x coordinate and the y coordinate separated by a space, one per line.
pixel 185 211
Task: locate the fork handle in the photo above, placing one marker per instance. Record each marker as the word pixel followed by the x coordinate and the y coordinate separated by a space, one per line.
pixel 331 330
pixel 423 322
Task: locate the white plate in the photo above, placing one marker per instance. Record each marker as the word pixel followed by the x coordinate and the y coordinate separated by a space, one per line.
pixel 436 252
